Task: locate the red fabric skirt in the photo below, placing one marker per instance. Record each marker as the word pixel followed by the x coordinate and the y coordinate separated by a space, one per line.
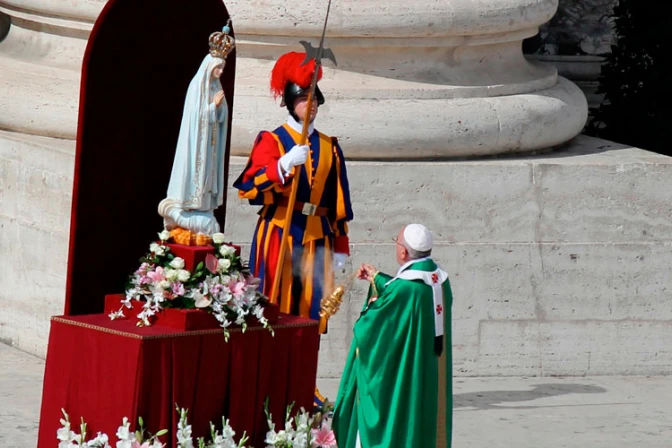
pixel 103 370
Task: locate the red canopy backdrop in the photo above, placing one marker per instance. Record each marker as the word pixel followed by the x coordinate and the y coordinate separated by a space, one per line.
pixel 139 61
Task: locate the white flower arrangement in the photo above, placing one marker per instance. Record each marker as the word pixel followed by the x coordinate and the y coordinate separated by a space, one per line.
pixel 125 437
pixel 310 431
pixel 222 285
pixel 217 440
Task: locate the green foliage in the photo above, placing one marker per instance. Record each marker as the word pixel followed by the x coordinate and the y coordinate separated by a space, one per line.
pixel 636 78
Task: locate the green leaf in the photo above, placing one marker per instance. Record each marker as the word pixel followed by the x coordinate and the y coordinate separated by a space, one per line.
pixel 82 429
pixel 243 439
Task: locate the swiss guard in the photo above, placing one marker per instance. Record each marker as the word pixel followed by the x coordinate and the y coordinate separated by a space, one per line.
pixel 318 235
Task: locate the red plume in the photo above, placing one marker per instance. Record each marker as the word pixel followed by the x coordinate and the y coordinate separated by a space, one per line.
pixel 288 68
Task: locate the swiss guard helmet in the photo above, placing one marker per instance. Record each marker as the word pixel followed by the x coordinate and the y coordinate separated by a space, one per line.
pixel 291 80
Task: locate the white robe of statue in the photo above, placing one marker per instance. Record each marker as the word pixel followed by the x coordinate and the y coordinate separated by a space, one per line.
pixel 196 185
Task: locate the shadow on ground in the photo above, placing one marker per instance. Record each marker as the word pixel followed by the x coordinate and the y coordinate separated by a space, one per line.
pixel 497 399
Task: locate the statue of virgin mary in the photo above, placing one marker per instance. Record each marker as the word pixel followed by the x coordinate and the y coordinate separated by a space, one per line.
pixel 196 186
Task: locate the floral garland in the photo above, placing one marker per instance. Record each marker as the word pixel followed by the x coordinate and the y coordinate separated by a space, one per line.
pixel 306 431
pixel 222 285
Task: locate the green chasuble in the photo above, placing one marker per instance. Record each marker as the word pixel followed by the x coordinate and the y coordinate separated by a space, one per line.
pixel 390 385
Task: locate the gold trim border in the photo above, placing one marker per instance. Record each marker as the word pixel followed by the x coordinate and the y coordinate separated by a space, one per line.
pixel 176 335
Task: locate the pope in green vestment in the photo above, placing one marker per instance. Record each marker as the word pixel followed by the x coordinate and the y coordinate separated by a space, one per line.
pixel 389 391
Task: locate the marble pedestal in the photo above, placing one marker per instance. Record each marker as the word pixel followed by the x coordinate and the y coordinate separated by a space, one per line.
pixel 452 73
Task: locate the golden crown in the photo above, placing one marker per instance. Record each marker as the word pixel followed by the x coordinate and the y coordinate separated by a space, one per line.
pixel 221 42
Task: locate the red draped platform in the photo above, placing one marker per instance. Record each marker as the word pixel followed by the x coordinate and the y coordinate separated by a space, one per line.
pixel 105 370
pixel 139 60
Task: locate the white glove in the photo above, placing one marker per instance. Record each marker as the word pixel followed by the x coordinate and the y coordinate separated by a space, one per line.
pixel 295 157
pixel 339 260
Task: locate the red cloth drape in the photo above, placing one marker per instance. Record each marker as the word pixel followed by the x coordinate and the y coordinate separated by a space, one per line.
pixel 105 370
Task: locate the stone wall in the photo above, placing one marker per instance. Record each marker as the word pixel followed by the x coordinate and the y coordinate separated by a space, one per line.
pixel 35 199
pixel 559 263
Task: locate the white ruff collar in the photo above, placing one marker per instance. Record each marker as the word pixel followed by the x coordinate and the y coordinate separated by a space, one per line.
pixel 298 125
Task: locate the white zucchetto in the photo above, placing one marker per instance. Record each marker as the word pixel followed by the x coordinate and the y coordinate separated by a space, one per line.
pixel 418 237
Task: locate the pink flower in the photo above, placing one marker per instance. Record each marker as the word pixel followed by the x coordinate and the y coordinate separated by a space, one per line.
pixel 147 445
pixel 237 288
pixel 201 301
pixel 211 263
pixel 142 270
pixel 216 289
pixel 324 438
pixel 178 288
pixel 157 276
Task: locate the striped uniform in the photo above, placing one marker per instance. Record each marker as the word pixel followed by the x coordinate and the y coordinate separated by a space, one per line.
pixel 323 182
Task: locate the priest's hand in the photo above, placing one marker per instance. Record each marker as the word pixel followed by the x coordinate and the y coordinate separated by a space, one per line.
pixel 219 96
pixel 366 272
